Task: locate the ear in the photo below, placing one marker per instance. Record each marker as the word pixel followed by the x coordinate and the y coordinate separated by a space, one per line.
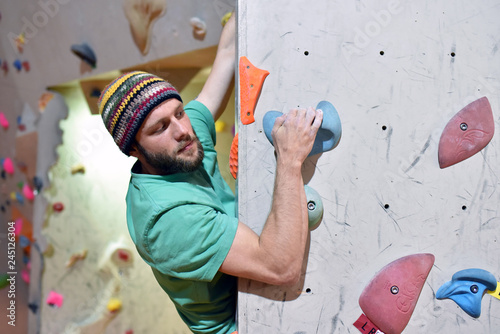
pixel 134 152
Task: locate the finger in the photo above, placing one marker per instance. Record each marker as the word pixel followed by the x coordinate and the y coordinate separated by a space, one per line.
pixel 278 122
pixel 318 119
pixel 310 115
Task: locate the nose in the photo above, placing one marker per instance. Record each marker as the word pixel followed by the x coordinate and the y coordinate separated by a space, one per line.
pixel 181 130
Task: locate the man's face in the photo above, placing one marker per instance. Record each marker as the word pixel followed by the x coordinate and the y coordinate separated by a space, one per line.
pixel 166 142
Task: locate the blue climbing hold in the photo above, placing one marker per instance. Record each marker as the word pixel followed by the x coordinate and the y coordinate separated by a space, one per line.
pixel 85 53
pixel 467 288
pixel 17 64
pixel 328 135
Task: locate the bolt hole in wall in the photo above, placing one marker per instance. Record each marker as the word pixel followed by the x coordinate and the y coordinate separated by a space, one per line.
pixel 306 53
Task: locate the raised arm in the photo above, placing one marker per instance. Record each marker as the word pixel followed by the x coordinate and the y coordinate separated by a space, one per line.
pixel 276 256
pixel 217 89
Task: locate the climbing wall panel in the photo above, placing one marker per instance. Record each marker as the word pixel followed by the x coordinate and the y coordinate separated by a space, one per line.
pixel 397 72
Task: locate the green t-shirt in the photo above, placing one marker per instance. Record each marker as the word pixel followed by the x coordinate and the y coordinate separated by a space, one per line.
pixel 183 226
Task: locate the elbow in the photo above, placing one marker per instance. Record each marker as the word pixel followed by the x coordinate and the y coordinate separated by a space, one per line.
pixel 287 277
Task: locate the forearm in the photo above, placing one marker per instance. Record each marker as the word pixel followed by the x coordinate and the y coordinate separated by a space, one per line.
pixel 285 233
pixel 218 86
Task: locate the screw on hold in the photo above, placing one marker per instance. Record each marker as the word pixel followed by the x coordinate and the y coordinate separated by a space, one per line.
pixel 463 126
pixel 394 290
pixel 311 205
pixel 474 288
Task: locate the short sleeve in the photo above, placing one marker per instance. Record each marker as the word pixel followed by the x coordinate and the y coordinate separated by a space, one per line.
pixel 191 241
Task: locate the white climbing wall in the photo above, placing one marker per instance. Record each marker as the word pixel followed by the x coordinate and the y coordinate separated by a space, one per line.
pixel 396 71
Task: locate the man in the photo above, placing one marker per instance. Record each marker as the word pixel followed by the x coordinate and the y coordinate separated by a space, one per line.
pixel 181 213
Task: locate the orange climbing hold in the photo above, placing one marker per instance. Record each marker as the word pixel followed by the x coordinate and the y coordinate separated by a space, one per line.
pixel 233 157
pixel 251 81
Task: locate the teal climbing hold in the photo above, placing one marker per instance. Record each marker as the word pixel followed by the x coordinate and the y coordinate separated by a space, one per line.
pixel 328 135
pixel 314 206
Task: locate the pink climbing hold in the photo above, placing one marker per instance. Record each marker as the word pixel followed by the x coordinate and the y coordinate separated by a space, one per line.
pixel 55 299
pixel 8 166
pixel 25 275
pixel 467 133
pixel 391 296
pixel 18 226
pixel 4 122
pixel 28 192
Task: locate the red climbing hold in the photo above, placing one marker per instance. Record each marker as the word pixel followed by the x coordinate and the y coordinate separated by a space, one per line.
pixel 251 81
pixel 390 298
pixel 467 133
pixel 58 207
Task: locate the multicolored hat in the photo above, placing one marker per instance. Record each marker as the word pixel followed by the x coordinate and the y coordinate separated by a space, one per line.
pixel 125 103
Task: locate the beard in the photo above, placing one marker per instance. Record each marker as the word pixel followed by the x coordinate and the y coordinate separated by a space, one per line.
pixel 166 164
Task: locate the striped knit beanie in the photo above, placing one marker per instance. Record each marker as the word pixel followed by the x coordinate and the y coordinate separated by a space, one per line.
pixel 125 103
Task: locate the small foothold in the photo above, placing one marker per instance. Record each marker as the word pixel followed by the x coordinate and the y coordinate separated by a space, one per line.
pixel 19 198
pixel 79 168
pixel 496 292
pixel 314 206
pixel 5 67
pixel 17 64
pixel 58 207
pixel 33 307
pixel 8 166
pixel 23 241
pixel 76 257
pixel 85 53
pixel 122 257
pixel 467 288
pixel 25 275
pixel 38 183
pixel 4 280
pixel 28 192
pixel 20 41
pixel 114 305
pixel 18 226
pixel 4 122
pixel 44 100
pixel 26 65
pixel 226 18
pixel 233 157
pixel 55 299
pixel 199 28
pixel 328 135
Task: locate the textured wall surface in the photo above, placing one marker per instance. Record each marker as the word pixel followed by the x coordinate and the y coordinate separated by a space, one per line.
pixel 396 71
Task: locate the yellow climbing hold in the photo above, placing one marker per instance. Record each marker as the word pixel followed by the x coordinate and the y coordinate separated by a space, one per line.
pixel 495 293
pixel 114 305
pixel 226 18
